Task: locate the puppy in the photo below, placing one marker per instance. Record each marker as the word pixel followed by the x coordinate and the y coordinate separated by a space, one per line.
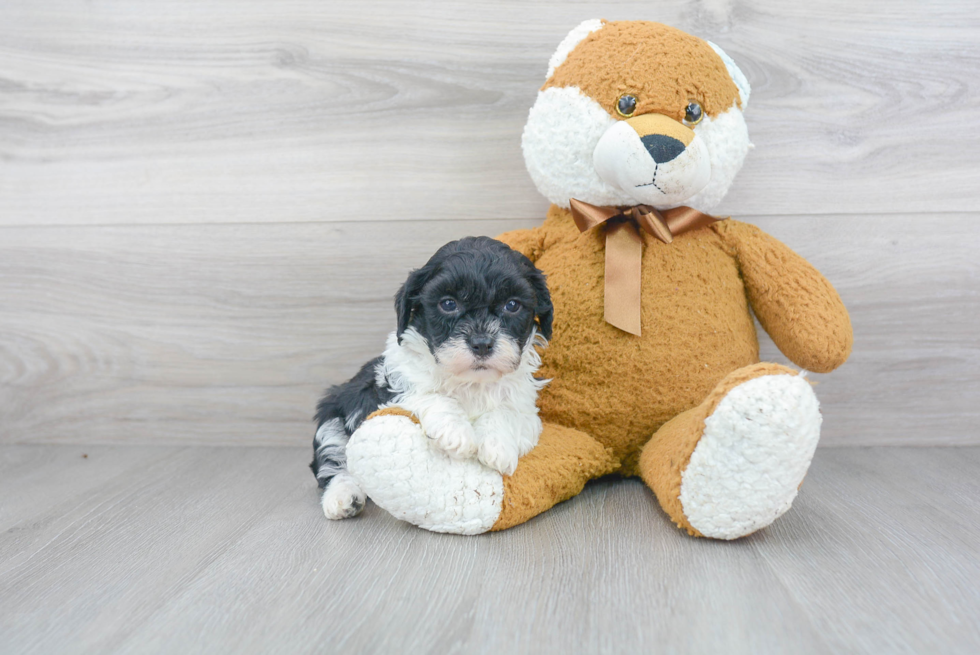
pixel 462 360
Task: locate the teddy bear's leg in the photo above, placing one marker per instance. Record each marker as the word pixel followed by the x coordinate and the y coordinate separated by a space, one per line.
pixel 403 473
pixel 733 464
pixel 556 470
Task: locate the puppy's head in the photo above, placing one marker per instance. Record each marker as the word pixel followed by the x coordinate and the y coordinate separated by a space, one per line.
pixel 477 303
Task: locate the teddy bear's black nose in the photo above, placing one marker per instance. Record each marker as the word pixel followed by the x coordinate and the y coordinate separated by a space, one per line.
pixel 661 147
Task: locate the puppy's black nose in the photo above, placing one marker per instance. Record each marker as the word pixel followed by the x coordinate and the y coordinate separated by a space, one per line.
pixel 481 344
pixel 661 147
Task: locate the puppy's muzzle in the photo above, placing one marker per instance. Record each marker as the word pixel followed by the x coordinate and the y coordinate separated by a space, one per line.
pixel 481 344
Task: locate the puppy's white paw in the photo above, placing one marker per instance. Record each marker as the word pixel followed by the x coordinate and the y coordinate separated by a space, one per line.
pixel 499 455
pixel 456 438
pixel 343 498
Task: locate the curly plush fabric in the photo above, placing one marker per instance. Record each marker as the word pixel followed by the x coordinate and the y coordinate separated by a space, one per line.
pixel 630 57
pixel 697 327
pixel 402 472
pixel 748 465
pixel 722 439
pixel 407 476
pixel 557 469
pixel 666 456
pixel 796 305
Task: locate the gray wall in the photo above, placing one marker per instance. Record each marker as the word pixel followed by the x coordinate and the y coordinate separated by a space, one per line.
pixel 205 210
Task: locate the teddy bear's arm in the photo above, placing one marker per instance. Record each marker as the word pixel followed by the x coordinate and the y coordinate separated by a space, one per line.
pixel 527 242
pixel 795 304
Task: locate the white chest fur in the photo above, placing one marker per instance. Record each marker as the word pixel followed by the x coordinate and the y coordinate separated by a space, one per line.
pixel 495 420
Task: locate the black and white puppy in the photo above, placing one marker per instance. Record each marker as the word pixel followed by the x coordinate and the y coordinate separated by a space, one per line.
pixel 462 359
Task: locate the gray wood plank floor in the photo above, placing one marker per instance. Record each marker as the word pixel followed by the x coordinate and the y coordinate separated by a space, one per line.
pixel 210 550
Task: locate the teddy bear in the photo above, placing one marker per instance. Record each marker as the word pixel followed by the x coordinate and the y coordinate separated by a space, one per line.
pixel 636 135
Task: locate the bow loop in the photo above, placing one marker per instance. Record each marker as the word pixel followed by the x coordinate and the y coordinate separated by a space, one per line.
pixel 652 222
pixel 588 216
pixel 624 249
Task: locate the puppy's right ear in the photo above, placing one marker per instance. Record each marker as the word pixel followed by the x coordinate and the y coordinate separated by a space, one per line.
pixel 407 298
pixel 544 310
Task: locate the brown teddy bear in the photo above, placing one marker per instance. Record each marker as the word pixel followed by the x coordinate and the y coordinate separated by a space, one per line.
pixel 654 361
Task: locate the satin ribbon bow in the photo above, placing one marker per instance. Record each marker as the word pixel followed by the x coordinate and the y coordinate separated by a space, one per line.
pixel 624 249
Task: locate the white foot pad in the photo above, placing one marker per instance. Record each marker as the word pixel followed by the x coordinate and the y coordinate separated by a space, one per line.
pixel 406 475
pixel 750 461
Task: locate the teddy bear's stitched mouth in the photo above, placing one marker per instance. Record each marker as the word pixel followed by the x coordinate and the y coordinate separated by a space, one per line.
pixel 653 182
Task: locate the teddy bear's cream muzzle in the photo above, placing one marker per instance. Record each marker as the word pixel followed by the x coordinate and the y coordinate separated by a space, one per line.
pixel 653 159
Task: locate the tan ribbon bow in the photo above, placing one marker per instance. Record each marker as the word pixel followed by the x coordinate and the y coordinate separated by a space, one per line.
pixel 624 249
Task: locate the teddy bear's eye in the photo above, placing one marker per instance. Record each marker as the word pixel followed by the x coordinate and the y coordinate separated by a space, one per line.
pixel 693 114
pixel 626 105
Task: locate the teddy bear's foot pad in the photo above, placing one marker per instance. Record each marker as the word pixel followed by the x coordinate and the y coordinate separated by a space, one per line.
pixel 752 456
pixel 409 477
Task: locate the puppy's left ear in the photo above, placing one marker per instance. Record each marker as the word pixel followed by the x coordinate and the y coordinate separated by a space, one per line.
pixel 407 298
pixel 543 309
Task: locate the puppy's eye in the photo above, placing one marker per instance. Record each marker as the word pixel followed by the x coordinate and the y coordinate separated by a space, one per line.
pixel 626 105
pixel 693 114
pixel 448 305
pixel 513 306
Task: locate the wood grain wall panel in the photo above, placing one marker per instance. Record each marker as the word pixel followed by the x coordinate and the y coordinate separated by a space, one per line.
pixel 186 112
pixel 913 290
pixel 226 334
pixel 195 333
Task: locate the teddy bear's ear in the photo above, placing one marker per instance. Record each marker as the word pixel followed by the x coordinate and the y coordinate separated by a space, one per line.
pixel 737 75
pixel 571 40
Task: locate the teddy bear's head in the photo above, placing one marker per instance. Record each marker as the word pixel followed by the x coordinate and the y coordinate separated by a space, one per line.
pixel 637 113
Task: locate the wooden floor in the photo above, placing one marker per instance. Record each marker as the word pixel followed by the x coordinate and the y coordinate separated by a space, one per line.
pixel 195 549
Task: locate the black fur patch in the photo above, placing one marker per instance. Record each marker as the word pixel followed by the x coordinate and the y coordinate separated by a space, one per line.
pixel 350 402
pixel 482 276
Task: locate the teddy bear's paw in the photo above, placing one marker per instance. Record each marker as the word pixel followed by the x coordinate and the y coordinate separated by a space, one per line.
pixel 408 476
pixel 343 498
pixel 752 456
pixel 499 455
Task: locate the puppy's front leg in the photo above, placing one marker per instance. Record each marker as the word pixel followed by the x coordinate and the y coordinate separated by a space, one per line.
pixel 506 435
pixel 444 421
